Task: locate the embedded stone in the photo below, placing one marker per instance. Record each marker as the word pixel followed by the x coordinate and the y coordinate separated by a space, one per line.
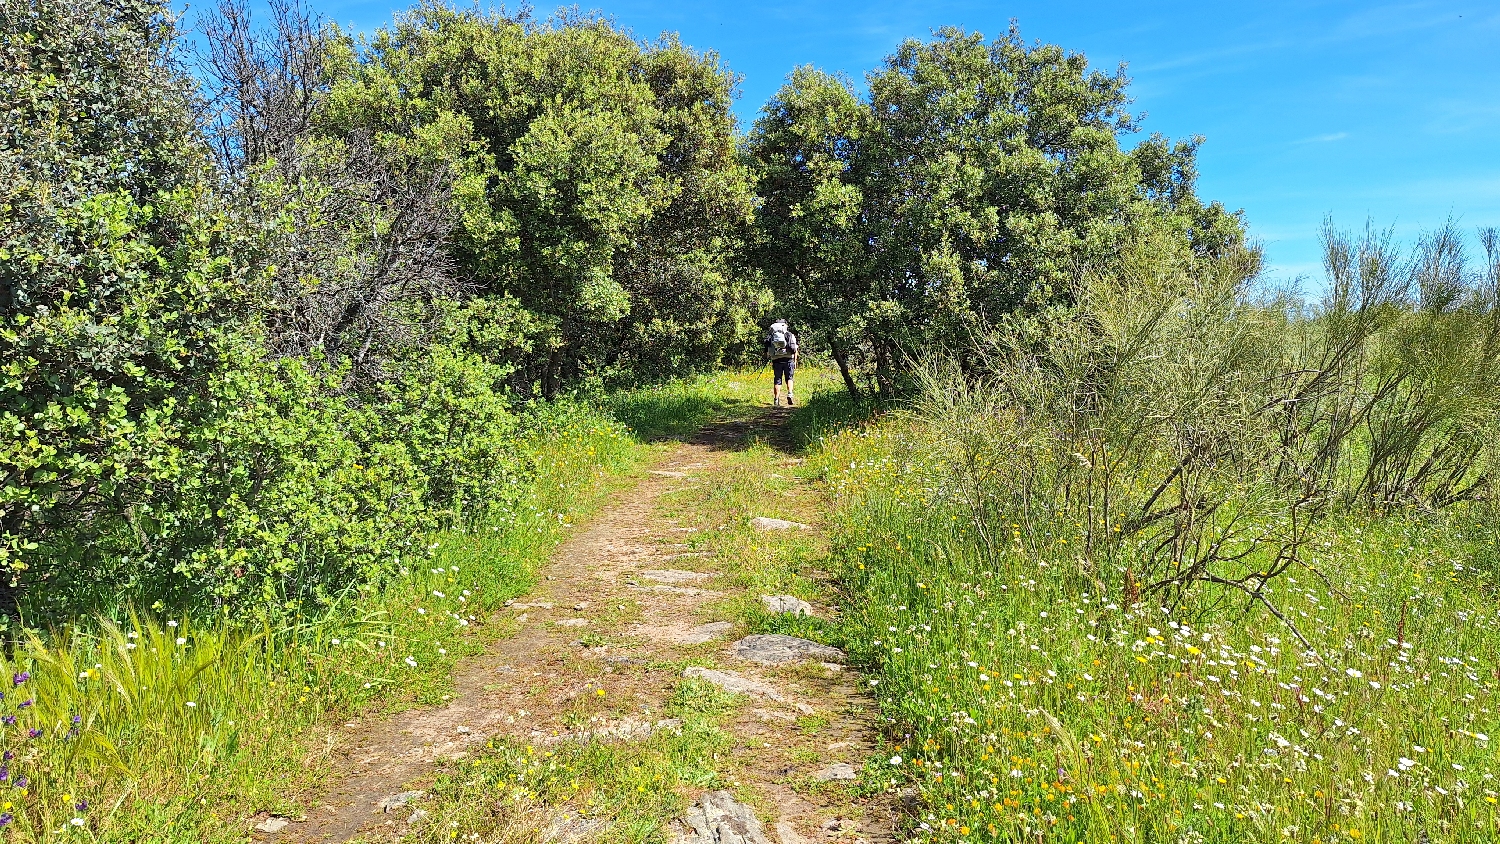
pixel 837 771
pixel 775 649
pixel 396 801
pixel 718 818
pixel 786 604
pixel 766 523
pixel 705 632
pixel 675 576
pixel 626 729
pixel 731 681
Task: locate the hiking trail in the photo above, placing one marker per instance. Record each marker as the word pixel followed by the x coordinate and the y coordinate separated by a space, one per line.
pixel 619 603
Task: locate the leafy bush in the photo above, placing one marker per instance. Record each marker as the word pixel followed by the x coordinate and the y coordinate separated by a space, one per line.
pixel 118 299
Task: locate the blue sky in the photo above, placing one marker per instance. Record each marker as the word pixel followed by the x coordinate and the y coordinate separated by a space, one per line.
pixel 1363 110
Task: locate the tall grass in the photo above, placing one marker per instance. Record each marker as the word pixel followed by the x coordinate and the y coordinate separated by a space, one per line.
pixel 1033 705
pixel 1192 566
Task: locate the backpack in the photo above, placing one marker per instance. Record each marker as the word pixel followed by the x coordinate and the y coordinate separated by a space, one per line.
pixel 779 343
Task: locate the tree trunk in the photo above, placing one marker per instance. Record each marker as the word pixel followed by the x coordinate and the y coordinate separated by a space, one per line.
pixel 841 357
pixel 549 374
pixel 883 368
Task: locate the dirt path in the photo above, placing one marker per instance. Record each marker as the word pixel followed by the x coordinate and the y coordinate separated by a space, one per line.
pixel 626 577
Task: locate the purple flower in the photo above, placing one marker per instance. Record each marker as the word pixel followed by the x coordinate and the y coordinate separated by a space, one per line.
pixel 4 773
pixel 6 818
pixel 21 782
pixel 7 719
pixel 21 677
pixel 25 703
pixel 81 805
pixel 7 756
pixel 78 719
pixel 34 732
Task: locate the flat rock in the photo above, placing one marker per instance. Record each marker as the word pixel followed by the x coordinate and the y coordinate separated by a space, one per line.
pixel 787 604
pixel 626 729
pixel 572 622
pixel 396 801
pixel 675 576
pixel 766 523
pixel 718 818
pixel 733 681
pixel 705 632
pixel 272 825
pixel 775 649
pixel 676 590
pixel 837 771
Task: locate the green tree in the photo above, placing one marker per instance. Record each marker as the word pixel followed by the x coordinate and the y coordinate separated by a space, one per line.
pixel 596 178
pixel 810 240
pixel 982 179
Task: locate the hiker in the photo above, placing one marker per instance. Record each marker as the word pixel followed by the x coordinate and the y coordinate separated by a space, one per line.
pixel 781 349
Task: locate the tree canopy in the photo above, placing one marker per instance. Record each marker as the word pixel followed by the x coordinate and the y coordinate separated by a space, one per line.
pixel 597 179
pixel 974 181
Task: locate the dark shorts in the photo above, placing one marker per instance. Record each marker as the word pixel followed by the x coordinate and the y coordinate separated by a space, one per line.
pixel 783 369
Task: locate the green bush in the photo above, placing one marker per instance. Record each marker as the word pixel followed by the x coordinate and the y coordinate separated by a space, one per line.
pixel 118 299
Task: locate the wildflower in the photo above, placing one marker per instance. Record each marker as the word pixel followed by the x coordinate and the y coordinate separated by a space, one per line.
pixel 25 703
pixel 20 677
pixel 1353 672
pixel 1406 764
pixel 895 760
pixel 191 705
pixel 172 623
pixel 181 641
pixel 34 732
pixel 6 818
pixel 411 662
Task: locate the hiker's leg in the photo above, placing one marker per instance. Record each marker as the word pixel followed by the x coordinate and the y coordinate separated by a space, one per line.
pixel 791 371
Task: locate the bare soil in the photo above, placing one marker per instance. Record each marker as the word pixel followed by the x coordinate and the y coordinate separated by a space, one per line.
pixel 607 613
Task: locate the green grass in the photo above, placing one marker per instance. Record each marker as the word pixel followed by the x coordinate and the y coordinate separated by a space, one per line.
pixel 185 728
pixel 676 409
pixel 1026 703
